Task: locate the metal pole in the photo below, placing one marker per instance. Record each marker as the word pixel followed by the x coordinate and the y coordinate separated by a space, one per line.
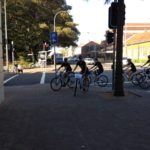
pixel 114 60
pixel 13 58
pixel 54 31
pixel 6 38
pixel 1 62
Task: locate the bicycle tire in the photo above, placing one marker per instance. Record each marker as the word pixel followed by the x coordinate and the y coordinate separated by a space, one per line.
pixel 71 81
pixel 90 79
pixel 86 83
pixel 137 79
pixel 75 88
pixel 56 84
pixel 102 80
pixel 145 84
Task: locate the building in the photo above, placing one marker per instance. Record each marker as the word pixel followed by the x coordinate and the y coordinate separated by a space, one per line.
pixel 138 46
pixel 106 53
pixel 91 49
pixel 136 41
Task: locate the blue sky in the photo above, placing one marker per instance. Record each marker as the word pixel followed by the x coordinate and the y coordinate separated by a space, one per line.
pixel 92 16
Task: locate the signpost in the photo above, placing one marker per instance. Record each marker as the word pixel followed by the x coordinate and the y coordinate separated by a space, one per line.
pixel 54 41
pixel 53 38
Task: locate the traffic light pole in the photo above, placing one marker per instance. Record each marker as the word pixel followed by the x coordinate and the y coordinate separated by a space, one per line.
pixel 119 89
pixel 114 61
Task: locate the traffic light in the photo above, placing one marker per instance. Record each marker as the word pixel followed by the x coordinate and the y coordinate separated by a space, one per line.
pixel 113 15
pixel 109 37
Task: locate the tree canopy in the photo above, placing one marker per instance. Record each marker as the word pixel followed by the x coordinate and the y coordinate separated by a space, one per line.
pixel 29 23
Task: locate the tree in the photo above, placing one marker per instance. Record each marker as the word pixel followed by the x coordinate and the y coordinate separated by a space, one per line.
pixel 31 21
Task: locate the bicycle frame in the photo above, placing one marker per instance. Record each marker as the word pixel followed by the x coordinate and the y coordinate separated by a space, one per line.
pixel 58 81
pixel 125 75
pixel 60 75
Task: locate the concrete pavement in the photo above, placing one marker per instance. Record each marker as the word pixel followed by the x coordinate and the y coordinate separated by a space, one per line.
pixel 36 118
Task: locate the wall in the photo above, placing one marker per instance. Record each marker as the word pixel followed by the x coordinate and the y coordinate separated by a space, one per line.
pixel 139 51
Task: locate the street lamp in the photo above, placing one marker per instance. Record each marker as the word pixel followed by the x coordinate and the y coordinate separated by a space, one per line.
pixel 13 57
pixel 55 31
pixel 55 18
pixel 6 38
pixel 1 60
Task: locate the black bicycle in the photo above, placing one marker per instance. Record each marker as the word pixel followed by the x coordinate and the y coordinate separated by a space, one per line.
pixel 101 79
pixel 59 81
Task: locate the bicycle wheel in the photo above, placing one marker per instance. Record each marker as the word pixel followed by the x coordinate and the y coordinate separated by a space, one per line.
pixel 102 80
pixel 145 84
pixel 86 83
pixel 75 88
pixel 90 79
pixel 137 78
pixel 56 84
pixel 71 81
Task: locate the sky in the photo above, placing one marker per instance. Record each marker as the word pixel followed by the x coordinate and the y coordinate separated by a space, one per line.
pixel 92 16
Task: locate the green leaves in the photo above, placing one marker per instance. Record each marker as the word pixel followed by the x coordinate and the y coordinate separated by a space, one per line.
pixel 31 21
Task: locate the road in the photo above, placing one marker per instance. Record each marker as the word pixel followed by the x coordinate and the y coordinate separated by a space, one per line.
pixel 43 76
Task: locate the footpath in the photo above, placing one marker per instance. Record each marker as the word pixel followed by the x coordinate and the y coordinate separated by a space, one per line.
pixel 37 118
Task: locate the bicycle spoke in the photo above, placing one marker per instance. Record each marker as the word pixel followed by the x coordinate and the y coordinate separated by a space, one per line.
pixel 102 80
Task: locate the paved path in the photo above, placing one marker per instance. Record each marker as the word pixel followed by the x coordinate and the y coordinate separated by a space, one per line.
pixel 107 66
pixel 36 118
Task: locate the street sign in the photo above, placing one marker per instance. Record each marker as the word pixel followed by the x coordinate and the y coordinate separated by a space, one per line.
pixel 53 37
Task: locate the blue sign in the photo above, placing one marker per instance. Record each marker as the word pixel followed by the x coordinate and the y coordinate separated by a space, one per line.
pixel 53 37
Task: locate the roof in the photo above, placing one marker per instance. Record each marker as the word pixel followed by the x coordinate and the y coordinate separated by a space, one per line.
pixel 91 43
pixel 137 26
pixel 139 38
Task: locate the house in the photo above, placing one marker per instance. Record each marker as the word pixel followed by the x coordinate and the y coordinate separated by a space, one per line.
pixel 138 46
pixel 106 53
pixel 91 49
pixel 136 36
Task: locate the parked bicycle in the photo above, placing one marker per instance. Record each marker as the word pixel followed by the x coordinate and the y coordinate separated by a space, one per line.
pixel 82 82
pixel 59 81
pixel 101 79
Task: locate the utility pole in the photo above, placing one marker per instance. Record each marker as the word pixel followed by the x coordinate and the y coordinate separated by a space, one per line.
pixel 119 89
pixel 1 61
pixel 61 11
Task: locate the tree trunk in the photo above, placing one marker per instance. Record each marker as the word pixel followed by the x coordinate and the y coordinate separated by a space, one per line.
pixel 118 87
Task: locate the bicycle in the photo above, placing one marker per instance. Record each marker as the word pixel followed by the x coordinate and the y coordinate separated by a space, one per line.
pixel 134 79
pixel 145 79
pixel 82 82
pixel 58 81
pixel 101 79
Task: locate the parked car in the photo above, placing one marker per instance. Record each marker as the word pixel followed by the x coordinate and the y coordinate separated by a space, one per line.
pixel 72 60
pixel 89 61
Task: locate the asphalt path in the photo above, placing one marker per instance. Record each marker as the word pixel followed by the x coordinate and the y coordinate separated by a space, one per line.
pixel 43 76
pixel 37 76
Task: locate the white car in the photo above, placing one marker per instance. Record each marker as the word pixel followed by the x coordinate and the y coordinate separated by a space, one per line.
pixel 89 61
